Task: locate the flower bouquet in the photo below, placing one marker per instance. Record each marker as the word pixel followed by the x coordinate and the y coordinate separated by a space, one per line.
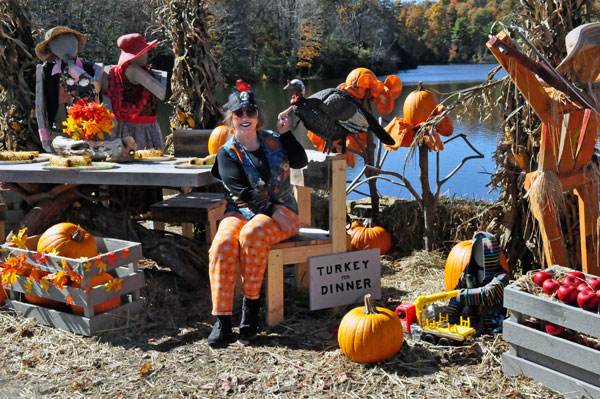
pixel 88 120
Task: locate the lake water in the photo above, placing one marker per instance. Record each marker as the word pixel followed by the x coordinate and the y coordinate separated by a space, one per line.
pixel 470 182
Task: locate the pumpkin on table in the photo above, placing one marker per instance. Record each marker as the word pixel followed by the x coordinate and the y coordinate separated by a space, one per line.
pixel 101 307
pixel 68 240
pixel 368 235
pixel 369 334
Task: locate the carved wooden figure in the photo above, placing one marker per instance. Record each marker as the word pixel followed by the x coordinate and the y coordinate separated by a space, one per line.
pixel 62 79
pixel 568 136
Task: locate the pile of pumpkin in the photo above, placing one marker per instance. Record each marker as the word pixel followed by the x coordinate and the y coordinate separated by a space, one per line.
pixel 63 239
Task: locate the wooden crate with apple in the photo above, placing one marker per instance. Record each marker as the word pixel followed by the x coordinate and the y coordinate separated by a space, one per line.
pixel 105 298
pixel 557 343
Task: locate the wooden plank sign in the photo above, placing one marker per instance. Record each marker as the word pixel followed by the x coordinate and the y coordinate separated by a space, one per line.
pixel 343 278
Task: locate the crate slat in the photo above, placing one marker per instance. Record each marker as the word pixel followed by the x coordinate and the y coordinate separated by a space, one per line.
pixel 559 349
pixel 567 367
pixel 77 324
pixel 568 386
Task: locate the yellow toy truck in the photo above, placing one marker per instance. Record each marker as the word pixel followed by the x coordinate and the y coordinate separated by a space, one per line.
pixel 418 325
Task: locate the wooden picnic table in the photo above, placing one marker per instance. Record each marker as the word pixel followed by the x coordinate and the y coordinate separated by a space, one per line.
pixel 136 173
pixel 81 197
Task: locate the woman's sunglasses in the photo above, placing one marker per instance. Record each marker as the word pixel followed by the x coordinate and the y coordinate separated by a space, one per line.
pixel 250 112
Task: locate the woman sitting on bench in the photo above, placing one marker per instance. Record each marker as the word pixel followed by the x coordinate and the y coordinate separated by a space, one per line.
pixel 254 165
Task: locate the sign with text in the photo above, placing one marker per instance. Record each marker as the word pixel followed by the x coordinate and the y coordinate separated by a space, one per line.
pixel 343 278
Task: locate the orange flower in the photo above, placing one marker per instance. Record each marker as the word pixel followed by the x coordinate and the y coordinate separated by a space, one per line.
pixel 88 120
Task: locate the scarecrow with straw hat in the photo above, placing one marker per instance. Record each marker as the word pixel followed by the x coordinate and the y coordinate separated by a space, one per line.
pixel 568 108
pixel 134 93
pixel 62 79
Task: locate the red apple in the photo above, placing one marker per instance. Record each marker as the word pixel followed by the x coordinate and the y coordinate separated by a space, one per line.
pixel 567 293
pixel 550 286
pixel 571 280
pixel 540 277
pixel 587 300
pixel 594 283
pixel 583 287
pixel 577 275
pixel 554 329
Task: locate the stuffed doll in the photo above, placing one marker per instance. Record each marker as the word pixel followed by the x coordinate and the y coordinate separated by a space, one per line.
pixel 481 285
pixel 134 93
pixel 62 79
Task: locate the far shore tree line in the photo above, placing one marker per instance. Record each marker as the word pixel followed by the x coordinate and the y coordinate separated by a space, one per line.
pixel 277 39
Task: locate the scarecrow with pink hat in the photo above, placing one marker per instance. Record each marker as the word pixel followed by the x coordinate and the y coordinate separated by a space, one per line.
pixel 566 101
pixel 62 79
pixel 134 92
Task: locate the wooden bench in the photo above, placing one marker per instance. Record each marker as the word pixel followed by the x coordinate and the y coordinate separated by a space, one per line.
pixel 190 207
pixel 325 172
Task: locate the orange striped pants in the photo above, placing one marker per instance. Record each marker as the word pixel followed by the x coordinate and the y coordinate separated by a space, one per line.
pixel 244 243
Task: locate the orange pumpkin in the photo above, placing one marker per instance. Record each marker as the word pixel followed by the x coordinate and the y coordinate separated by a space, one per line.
pixel 68 240
pixel 418 105
pixel 369 334
pixel 3 296
pixel 36 275
pixel 367 235
pixel 458 258
pixel 219 136
pixel 101 307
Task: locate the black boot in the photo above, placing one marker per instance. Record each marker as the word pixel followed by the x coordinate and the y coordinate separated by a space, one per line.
pixel 221 332
pixel 249 324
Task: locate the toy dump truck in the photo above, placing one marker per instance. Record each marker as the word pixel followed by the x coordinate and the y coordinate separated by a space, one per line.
pixel 418 324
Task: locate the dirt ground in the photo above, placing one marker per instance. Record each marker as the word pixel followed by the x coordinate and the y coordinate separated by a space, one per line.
pixel 162 353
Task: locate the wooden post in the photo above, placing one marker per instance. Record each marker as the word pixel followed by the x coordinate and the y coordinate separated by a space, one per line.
pixel 587 195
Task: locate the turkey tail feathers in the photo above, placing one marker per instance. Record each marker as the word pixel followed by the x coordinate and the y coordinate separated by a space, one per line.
pixel 378 130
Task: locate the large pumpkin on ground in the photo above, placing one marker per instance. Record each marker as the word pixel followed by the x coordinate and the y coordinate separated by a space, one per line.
pixel 69 240
pixel 218 137
pixel 458 258
pixel 418 105
pixel 367 235
pixel 368 334
pixel 101 307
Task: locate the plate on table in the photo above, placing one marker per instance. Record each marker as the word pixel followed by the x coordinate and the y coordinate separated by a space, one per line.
pixel 93 166
pixel 39 158
pixel 155 159
pixel 187 165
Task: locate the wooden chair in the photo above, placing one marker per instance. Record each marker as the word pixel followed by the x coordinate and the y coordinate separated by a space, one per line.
pixel 190 207
pixel 326 172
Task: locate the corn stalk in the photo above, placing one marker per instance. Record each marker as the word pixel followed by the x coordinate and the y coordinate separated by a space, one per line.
pixel 195 74
pixel 18 125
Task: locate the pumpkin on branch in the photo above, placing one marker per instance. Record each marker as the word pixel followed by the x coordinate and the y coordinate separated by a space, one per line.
pixel 101 307
pixel 368 235
pixel 219 136
pixel 458 258
pixel 68 240
pixel 418 105
pixel 369 334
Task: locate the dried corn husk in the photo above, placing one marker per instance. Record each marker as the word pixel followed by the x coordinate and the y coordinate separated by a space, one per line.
pixel 149 153
pixel 208 160
pixel 18 155
pixel 70 161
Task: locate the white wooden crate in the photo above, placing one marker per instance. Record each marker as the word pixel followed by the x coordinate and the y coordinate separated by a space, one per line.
pixel 117 257
pixel 567 367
